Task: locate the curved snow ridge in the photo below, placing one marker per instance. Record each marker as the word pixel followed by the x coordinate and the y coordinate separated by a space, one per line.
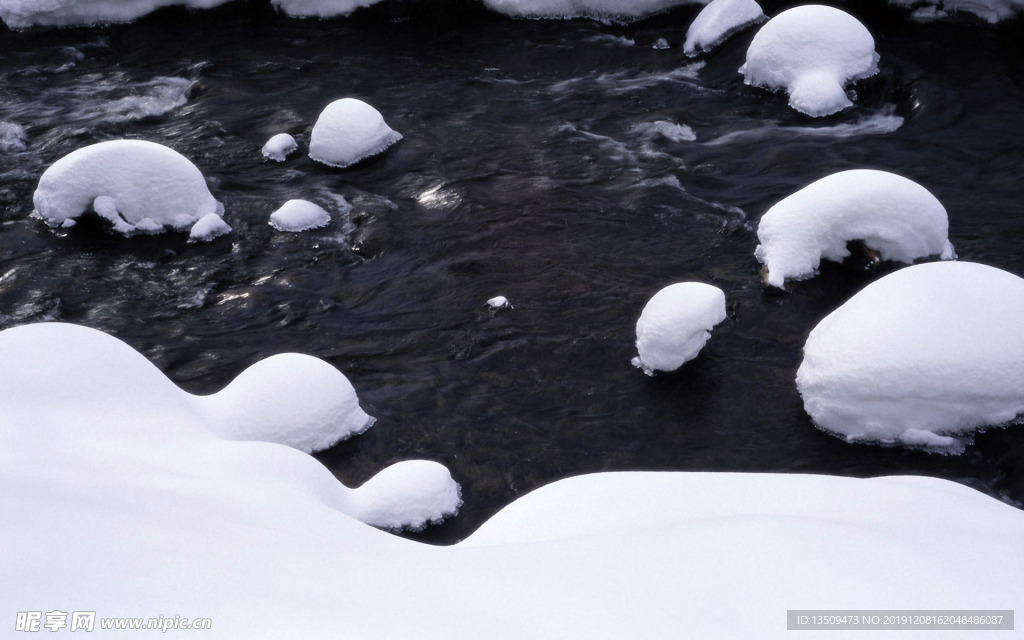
pixel 139 186
pixel 282 403
pixel 719 20
pixel 923 355
pixel 812 52
pixel 894 216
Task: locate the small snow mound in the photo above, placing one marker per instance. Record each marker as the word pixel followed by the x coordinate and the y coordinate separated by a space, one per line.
pixel 321 8
pixel 719 20
pixel 299 215
pixel 499 302
pixel 208 227
pixel 12 137
pixel 279 147
pixel 896 217
pixel 407 495
pixel 926 353
pixel 811 52
pixel 347 131
pixel 138 186
pixel 675 324
pixel 291 399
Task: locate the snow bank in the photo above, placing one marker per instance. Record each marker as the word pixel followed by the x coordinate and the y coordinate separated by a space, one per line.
pixel 675 324
pixel 620 9
pixel 138 186
pixel 291 399
pixel 279 147
pixel 117 499
pixel 811 52
pixel 22 14
pixel 925 353
pixel 299 215
pixel 719 20
pixel 894 216
pixel 347 131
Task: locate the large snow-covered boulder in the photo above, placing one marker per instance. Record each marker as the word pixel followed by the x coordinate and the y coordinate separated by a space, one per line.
pixel 894 216
pixel 138 186
pixel 719 20
pixel 812 52
pixel 675 325
pixel 347 131
pixel 921 355
pixel 291 399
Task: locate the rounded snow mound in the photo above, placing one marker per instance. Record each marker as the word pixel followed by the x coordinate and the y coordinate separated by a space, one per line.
pixel 138 186
pixel 926 353
pixel 291 399
pixel 299 215
pixel 894 216
pixel 279 147
pixel 811 52
pixel 675 324
pixel 719 20
pixel 410 494
pixel 347 131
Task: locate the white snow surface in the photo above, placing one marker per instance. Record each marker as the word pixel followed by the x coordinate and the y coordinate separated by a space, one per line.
pixel 278 147
pixel 320 8
pixel 208 227
pixel 138 186
pixel 892 215
pixel 499 302
pixel 292 399
pixel 676 324
pixel 118 499
pixel 621 9
pixel 719 20
pixel 930 351
pixel 22 14
pixel 347 131
pixel 811 52
pixel 299 215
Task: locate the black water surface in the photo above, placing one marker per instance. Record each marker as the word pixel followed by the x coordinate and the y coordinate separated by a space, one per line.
pixel 529 169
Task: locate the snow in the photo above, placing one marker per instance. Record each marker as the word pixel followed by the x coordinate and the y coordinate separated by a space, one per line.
pixel 675 324
pixel 291 399
pixel 894 216
pixel 347 131
pixel 719 20
pixel 926 353
pixel 299 215
pixel 118 499
pixel 499 302
pixel 279 147
pixel 811 52
pixel 615 9
pixel 207 228
pixel 320 8
pixel 22 14
pixel 138 186
pixel 12 137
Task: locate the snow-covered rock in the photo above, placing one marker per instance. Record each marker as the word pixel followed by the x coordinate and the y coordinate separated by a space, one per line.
pixel 320 8
pixel 675 324
pixel 923 354
pixel 279 147
pixel 719 20
pixel 614 9
pixel 291 399
pixel 299 215
pixel 499 302
pixel 812 52
pixel 410 491
pixel 347 131
pixel 138 186
pixel 207 228
pixel 22 14
pixel 12 137
pixel 114 487
pixel 894 216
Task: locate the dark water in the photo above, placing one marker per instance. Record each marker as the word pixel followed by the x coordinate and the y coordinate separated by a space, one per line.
pixel 531 167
